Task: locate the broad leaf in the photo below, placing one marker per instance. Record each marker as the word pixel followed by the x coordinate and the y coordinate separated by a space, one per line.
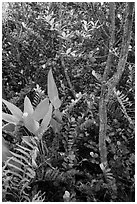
pixel 14 109
pixel 5 150
pixel 58 115
pixel 41 110
pixel 46 120
pixel 9 127
pixel 52 91
pixel 9 118
pixel 28 108
pixel 55 125
pixel 31 124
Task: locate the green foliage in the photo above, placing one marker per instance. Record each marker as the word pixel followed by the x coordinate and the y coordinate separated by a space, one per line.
pixel 52 56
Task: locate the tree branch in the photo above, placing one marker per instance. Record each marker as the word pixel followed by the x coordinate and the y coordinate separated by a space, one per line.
pixel 125 45
pixel 112 40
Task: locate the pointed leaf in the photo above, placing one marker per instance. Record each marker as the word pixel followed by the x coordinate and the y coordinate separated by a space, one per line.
pixel 9 127
pixel 46 120
pixel 52 91
pixel 56 102
pixel 9 118
pixel 31 124
pixel 41 110
pixel 14 109
pixel 28 108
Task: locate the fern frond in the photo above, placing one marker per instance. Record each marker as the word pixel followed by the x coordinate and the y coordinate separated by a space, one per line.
pixel 20 157
pixel 123 100
pixel 51 174
pixel 21 169
pixel 39 95
pixel 39 197
pixel 24 148
pixel 28 143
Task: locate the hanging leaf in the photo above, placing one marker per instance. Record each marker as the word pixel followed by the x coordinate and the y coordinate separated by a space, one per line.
pixel 46 120
pixel 52 91
pixel 9 118
pixel 14 109
pixel 41 110
pixel 9 127
pixel 30 123
pixel 28 108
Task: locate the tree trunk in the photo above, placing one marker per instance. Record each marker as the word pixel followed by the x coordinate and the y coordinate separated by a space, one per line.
pixel 107 87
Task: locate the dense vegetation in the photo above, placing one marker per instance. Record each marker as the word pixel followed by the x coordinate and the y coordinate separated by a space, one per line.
pixel 82 55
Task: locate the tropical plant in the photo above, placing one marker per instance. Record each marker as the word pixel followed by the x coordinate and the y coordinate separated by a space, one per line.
pixel 76 142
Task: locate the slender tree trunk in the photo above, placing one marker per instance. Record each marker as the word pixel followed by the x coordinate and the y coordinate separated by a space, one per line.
pixel 104 90
pixel 108 86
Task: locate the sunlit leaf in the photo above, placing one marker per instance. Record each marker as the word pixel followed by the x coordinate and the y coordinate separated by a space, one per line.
pixel 31 124
pixel 41 110
pixel 46 120
pixel 52 91
pixel 14 109
pixel 9 118
pixel 9 127
pixel 28 108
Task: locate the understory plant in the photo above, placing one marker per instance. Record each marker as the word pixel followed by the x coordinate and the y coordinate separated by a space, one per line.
pixel 36 122
pixel 73 140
